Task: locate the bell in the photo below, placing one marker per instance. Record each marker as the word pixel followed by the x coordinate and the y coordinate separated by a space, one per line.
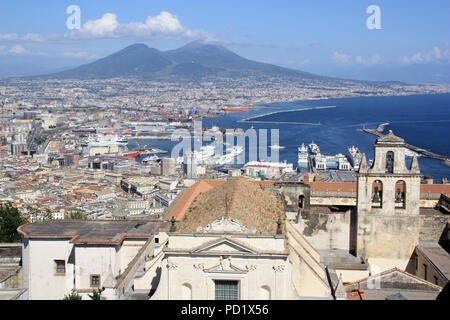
pixel 399 197
pixel 389 164
pixel 376 197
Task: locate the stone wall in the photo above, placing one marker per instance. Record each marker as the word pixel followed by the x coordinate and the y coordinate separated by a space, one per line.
pixel 326 231
pixel 432 226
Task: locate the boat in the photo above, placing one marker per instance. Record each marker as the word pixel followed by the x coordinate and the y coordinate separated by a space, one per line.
pixel 303 155
pixel 101 140
pixel 132 154
pixel 314 148
pixel 355 157
pixel 228 158
pixel 276 147
pixel 150 159
pixel 203 154
pixel 236 109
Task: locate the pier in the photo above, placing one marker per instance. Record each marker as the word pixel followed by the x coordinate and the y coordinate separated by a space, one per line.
pixel 251 119
pixel 423 152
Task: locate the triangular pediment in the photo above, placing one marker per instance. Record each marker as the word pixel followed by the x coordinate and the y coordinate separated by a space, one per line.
pixel 225 246
pixel 396 279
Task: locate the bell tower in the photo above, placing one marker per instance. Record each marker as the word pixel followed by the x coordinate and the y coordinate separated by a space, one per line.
pixel 388 199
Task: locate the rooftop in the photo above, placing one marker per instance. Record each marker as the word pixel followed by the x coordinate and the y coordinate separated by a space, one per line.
pixel 238 199
pixel 91 231
pixel 437 256
pixel 341 259
pixel 390 283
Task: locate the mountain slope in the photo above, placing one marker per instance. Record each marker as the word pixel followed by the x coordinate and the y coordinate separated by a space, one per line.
pixel 191 62
pixel 134 60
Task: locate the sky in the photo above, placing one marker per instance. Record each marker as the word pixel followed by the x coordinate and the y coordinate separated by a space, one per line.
pixel 330 37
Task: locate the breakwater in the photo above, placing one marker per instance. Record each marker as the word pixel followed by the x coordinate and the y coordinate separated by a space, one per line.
pixel 254 119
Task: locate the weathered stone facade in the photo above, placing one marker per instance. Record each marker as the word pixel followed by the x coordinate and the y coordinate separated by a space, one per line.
pixel 388 206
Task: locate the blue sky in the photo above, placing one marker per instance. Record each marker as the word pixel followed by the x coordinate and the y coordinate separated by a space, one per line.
pixel 326 37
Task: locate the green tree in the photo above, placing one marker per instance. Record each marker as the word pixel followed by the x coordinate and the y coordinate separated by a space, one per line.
pixel 96 294
pixel 72 296
pixel 77 216
pixel 10 220
pixel 48 215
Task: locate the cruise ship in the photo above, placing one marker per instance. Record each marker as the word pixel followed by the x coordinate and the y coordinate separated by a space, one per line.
pixel 230 155
pixel 303 156
pixel 314 148
pixel 205 153
pixel 355 157
pixel 105 141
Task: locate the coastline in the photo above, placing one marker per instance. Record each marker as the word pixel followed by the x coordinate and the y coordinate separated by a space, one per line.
pixel 269 104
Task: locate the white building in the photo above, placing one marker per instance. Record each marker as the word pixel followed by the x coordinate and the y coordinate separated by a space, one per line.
pixel 229 245
pixel 268 169
pixel 58 256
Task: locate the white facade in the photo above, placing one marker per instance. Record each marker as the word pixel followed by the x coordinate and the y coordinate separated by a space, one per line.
pixel 261 267
pixel 81 261
pixel 261 274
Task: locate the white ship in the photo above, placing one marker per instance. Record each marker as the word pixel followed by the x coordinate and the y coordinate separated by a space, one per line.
pixel 314 148
pixel 355 157
pixel 303 155
pixel 150 159
pixel 205 153
pixel 106 140
pixel 276 147
pixel 230 155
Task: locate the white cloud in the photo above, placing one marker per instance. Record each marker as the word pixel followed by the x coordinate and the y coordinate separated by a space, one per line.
pixel 434 55
pixel 18 49
pixel 83 54
pixel 342 58
pixel 29 37
pixel 164 25
pixel 103 27
pixel 305 62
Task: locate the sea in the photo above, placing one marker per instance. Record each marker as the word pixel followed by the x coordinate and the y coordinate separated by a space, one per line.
pixel 422 120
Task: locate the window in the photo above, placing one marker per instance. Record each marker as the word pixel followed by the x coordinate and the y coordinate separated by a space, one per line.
pixel 425 271
pixel 95 281
pixel 390 162
pixel 377 194
pixel 301 201
pixel 186 292
pixel 435 280
pixel 265 293
pixel 416 261
pixel 60 266
pixel 400 195
pixel 227 290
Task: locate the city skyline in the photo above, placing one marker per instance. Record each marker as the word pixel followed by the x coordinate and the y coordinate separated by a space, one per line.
pixel 322 37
